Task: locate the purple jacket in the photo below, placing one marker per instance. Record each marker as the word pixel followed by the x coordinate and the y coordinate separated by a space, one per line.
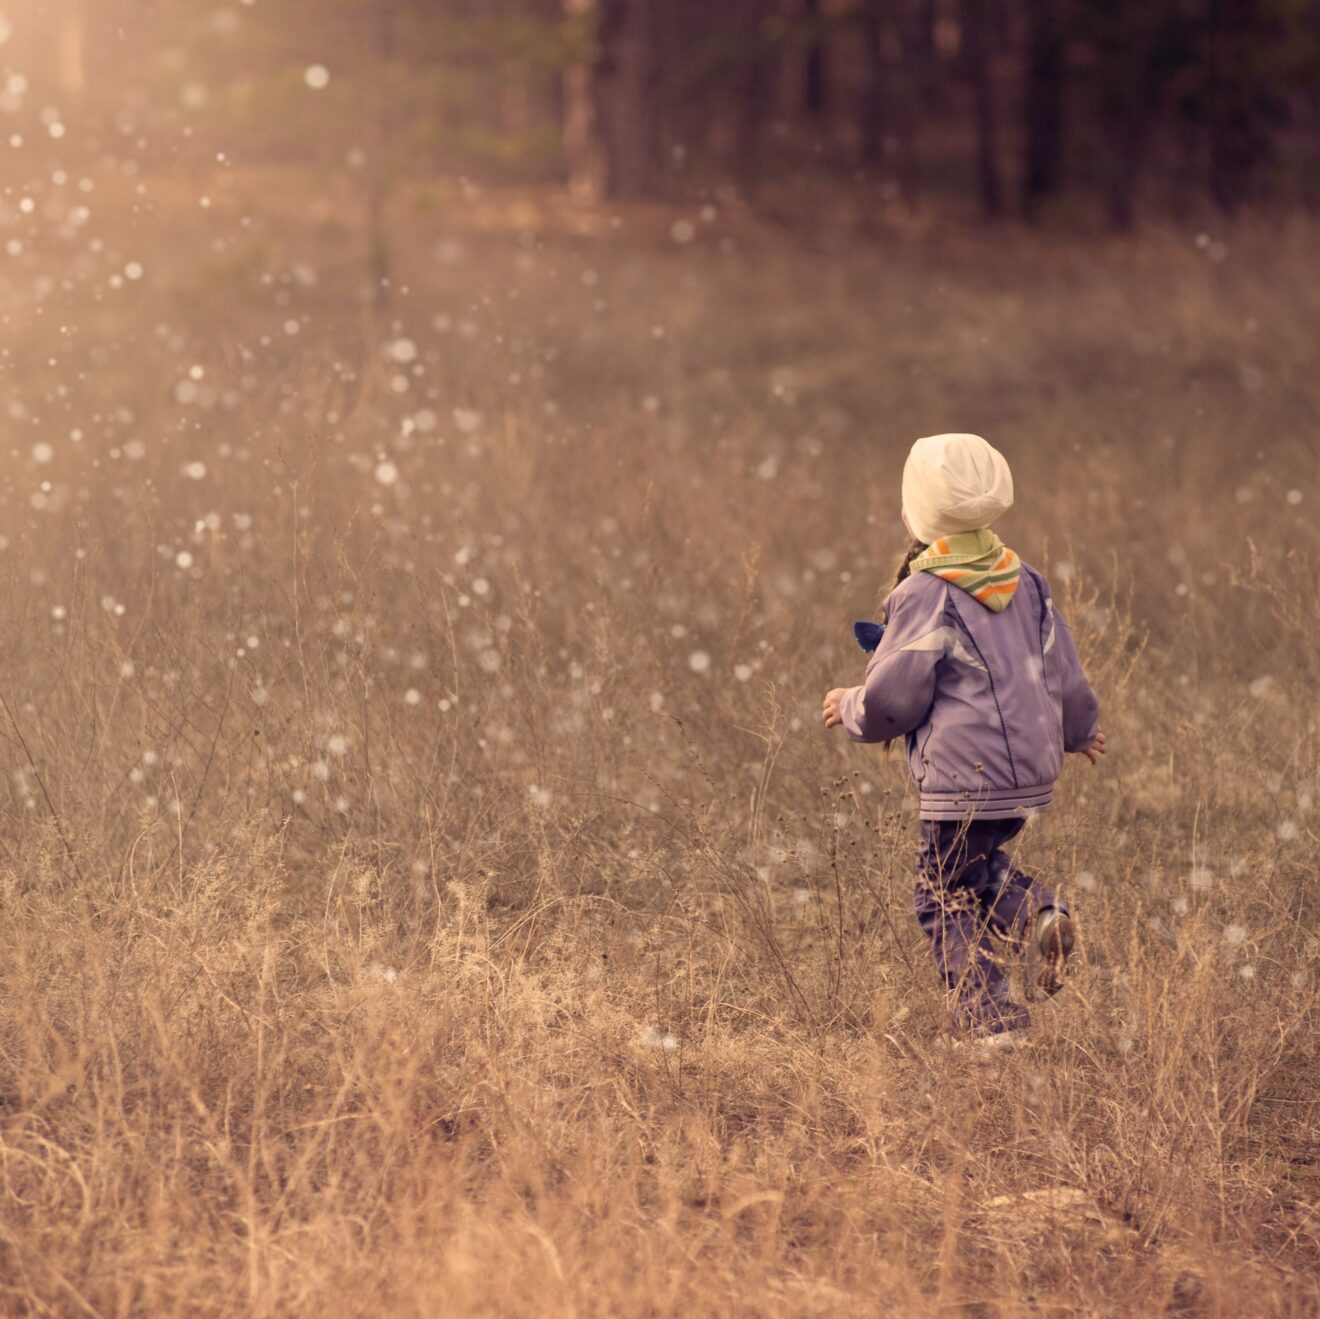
pixel 988 702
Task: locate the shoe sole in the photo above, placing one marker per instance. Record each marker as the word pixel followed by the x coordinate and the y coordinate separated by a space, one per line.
pixel 1056 947
pixel 983 1048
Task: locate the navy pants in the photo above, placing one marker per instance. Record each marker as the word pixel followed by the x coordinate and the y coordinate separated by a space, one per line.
pixel 968 891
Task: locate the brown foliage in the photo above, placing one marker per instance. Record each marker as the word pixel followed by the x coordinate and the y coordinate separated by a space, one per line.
pixel 500 934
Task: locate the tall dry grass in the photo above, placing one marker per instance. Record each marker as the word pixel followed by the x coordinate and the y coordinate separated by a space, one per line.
pixel 426 886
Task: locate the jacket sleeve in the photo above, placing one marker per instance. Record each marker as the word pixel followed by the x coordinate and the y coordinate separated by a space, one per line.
pixel 900 678
pixel 1081 709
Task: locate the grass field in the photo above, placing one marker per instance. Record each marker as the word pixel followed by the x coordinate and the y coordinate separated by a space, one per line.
pixel 427 888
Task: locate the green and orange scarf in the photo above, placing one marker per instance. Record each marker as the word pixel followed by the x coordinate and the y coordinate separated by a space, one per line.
pixel 976 561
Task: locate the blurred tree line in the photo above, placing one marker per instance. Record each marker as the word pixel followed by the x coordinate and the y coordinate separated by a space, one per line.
pixel 1024 106
pixel 1019 100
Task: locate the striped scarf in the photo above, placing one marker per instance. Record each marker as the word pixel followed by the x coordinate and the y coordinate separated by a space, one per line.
pixel 976 561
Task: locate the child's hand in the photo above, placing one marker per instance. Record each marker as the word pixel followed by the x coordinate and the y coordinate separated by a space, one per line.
pixel 1096 749
pixel 832 716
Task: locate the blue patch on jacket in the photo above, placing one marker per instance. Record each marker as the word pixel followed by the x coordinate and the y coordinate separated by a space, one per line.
pixel 868 634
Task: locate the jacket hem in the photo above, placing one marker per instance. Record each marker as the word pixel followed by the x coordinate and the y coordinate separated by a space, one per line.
pixel 988 804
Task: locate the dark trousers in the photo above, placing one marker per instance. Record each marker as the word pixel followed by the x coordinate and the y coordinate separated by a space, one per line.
pixel 967 891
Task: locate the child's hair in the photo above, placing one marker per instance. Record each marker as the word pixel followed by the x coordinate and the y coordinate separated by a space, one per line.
pixel 905 567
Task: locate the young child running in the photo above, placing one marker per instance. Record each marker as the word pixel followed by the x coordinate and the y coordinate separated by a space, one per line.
pixel 977 669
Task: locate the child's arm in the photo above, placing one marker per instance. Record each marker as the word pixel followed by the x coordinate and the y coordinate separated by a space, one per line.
pixel 1081 709
pixel 900 678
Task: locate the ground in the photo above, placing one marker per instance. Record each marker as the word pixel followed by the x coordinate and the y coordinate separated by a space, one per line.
pixel 427 885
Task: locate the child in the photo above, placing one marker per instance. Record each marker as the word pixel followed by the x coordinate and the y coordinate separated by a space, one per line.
pixel 978 670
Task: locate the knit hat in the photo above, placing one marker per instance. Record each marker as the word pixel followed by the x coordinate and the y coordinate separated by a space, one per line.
pixel 954 483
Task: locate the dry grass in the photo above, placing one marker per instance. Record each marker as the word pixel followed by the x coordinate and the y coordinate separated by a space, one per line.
pixel 398 922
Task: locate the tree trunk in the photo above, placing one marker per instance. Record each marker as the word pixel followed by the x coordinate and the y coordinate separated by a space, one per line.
pixel 584 146
pixel 815 85
pixel 754 89
pixel 1132 76
pixel 1128 139
pixel 627 78
pixel 1244 108
pixel 893 91
pixel 875 125
pixel 923 36
pixel 1043 105
pixel 1215 92
pixel 976 52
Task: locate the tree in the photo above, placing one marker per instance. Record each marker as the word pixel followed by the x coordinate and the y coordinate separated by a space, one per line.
pixel 898 55
pixel 613 96
pixel 1135 53
pixel 584 139
pixel 977 58
pixel 1042 103
pixel 751 59
pixel 627 97
pixel 875 111
pixel 815 85
pixel 1244 105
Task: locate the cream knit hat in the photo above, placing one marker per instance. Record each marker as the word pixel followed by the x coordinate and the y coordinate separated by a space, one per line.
pixel 954 483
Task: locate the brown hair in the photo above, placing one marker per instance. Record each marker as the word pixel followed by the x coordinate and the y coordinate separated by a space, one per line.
pixel 905 568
